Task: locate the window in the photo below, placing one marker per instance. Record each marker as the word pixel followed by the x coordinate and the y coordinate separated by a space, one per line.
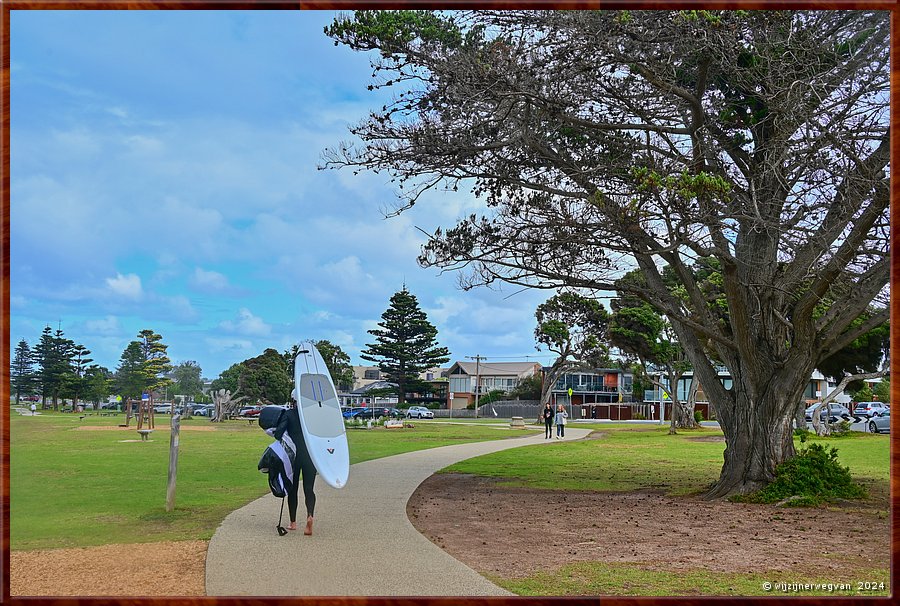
pixel 372 373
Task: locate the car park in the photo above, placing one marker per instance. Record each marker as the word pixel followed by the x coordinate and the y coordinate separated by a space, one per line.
pixel 419 412
pixel 868 409
pixel 881 422
pixel 838 412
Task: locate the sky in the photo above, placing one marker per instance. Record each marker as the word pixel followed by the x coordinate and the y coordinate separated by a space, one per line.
pixel 164 175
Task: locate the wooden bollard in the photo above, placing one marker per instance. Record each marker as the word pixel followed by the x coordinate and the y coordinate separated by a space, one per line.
pixel 173 462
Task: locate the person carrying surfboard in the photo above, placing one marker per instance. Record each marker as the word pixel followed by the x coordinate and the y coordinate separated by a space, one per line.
pixel 306 469
pixel 284 426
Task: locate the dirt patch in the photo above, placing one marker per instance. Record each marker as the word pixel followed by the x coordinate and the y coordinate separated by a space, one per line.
pixel 596 435
pixel 146 569
pixel 156 428
pixel 708 439
pixel 514 532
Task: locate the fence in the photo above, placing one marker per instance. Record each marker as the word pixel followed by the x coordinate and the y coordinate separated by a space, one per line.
pixel 529 410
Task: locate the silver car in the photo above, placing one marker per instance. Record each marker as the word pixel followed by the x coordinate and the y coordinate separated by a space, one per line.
pixel 881 422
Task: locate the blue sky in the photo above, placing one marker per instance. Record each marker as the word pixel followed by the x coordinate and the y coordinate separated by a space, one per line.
pixel 163 175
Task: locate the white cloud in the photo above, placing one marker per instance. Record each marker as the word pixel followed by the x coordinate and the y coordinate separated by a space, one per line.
pixel 448 307
pixel 208 280
pixel 128 286
pixel 109 326
pixel 246 324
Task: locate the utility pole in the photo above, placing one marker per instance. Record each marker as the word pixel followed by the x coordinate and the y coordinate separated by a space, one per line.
pixel 478 359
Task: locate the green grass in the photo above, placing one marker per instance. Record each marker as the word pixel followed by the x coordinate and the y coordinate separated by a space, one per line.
pixel 75 488
pixel 598 578
pixel 632 457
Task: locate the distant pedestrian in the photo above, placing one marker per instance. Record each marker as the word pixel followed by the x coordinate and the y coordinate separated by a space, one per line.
pixel 33 409
pixel 548 421
pixel 561 416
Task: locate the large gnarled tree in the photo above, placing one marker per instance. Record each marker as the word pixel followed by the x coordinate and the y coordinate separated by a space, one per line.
pixel 602 141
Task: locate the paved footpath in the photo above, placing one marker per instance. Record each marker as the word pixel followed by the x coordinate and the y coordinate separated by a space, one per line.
pixel 362 543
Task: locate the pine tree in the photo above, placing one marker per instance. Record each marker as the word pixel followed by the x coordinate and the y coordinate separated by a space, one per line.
pixel 156 362
pixel 130 378
pixel 53 355
pixel 21 373
pixel 406 344
pixel 75 383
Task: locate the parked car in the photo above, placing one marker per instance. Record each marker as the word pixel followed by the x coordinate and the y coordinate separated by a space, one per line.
pixel 203 410
pixel 32 398
pixel 396 413
pixel 838 412
pixel 162 408
pixel 371 413
pixel 419 412
pixel 250 411
pixel 868 409
pixel 881 422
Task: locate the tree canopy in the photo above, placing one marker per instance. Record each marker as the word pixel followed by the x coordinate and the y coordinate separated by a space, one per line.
pixel 604 141
pixel 405 344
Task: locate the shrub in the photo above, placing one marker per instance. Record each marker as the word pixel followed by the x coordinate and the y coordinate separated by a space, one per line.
pixel 639 417
pixel 698 416
pixel 803 434
pixel 814 475
pixel 840 429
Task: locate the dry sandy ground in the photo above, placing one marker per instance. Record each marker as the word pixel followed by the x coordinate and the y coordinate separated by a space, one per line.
pixel 514 532
pixel 145 569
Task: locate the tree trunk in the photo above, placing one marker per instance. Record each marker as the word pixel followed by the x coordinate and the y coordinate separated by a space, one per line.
pixel 683 415
pixel 800 415
pixel 758 436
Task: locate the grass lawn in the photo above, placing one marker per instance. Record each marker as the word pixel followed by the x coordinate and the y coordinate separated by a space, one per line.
pixel 632 456
pixel 74 487
pixel 601 578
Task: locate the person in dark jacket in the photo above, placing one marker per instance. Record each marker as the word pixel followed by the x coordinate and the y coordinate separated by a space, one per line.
pixel 548 421
pixel 284 425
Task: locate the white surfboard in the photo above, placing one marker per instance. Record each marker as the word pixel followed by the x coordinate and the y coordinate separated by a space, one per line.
pixel 320 416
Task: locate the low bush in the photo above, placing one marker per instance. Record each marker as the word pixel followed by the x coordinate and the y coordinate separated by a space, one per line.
pixel 811 478
pixel 639 417
pixel 698 416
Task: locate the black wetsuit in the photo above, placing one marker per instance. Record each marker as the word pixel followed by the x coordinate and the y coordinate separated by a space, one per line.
pixel 303 465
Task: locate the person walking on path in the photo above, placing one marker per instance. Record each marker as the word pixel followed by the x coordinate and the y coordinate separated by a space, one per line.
pixel 284 425
pixel 33 409
pixel 307 469
pixel 548 421
pixel 561 416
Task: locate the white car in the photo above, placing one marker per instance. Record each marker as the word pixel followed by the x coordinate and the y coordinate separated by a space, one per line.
pixel 419 412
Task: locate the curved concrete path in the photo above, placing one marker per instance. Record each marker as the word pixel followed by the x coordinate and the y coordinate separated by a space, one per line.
pixel 362 544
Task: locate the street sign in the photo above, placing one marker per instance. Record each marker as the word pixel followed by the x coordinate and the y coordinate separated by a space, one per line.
pixel 570 392
pixel 452 395
pixel 145 396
